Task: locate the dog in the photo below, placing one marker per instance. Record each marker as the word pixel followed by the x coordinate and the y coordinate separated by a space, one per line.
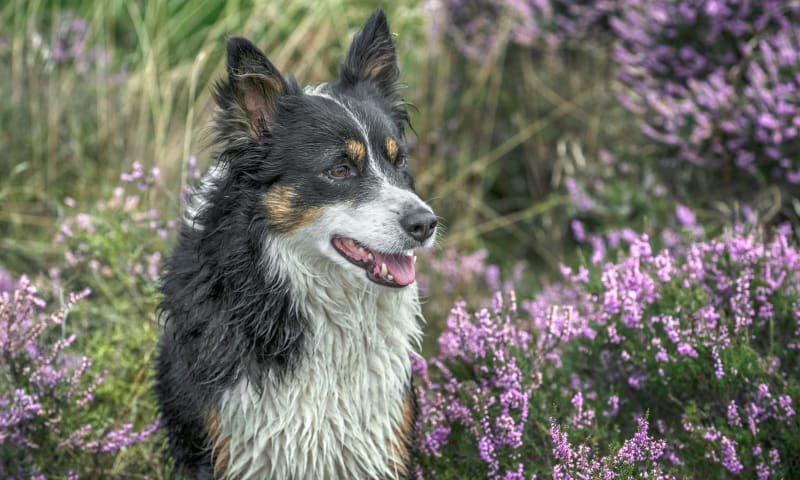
pixel 290 304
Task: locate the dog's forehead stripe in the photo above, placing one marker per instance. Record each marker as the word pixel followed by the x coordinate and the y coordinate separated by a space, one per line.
pixel 319 92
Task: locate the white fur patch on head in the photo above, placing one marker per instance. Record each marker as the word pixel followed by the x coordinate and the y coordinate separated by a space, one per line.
pixel 336 415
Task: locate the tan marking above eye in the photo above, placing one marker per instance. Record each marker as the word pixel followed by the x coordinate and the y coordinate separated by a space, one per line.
pixel 391 149
pixel 355 150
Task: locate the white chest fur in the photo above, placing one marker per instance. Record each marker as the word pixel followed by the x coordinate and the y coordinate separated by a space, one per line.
pixel 337 415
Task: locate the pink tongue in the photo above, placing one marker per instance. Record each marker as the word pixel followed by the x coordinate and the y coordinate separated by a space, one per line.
pixel 401 267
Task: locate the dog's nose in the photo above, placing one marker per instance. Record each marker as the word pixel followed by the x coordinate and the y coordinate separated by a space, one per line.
pixel 420 224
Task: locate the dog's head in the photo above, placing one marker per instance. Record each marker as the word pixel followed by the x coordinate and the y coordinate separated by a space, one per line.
pixel 324 170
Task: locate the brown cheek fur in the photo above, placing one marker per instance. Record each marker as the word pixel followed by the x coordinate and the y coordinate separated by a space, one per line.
pixel 219 444
pixel 391 149
pixel 283 216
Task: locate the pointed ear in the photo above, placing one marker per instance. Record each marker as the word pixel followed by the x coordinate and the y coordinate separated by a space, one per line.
pixel 256 85
pixel 372 57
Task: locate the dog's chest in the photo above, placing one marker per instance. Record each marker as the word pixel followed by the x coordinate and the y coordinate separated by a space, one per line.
pixel 339 415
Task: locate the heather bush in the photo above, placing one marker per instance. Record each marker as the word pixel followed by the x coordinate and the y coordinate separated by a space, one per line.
pixel 46 395
pixel 655 364
pixel 116 245
pixel 710 84
pixel 716 82
pixel 477 28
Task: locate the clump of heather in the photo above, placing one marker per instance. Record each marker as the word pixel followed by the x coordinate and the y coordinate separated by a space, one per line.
pixel 482 395
pixel 716 82
pixel 638 457
pixel 484 399
pixel 120 238
pixel 658 364
pixel 706 343
pixel 47 428
pixel 477 28
pixel 115 246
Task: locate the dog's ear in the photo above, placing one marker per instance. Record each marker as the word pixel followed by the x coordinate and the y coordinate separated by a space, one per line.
pixel 372 57
pixel 255 83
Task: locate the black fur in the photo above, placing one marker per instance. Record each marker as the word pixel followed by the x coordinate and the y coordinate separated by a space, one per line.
pixel 371 62
pixel 225 317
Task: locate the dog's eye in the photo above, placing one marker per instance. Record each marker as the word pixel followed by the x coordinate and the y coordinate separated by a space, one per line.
pixel 340 171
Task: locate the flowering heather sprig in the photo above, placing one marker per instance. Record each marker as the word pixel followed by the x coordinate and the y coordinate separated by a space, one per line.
pixel 45 392
pixel 638 457
pixel 70 44
pixel 7 282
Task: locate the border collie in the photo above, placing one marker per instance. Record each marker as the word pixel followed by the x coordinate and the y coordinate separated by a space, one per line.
pixel 290 301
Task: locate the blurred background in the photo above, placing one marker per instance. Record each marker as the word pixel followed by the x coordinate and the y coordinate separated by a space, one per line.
pixel 544 133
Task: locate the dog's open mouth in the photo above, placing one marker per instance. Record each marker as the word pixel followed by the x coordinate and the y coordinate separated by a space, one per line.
pixel 391 270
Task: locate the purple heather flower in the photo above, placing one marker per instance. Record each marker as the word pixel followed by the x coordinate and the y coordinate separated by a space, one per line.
pixel 578 231
pixel 641 447
pixel 733 416
pixel 729 459
pixel 686 350
pixel 786 403
pixel 685 216
pixel 7 282
pixel 492 277
pixel 762 471
pixel 562 450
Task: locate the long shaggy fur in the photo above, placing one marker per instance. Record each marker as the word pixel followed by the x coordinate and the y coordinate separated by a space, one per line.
pixel 281 357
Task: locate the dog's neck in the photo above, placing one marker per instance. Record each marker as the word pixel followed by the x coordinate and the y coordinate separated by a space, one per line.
pixel 332 297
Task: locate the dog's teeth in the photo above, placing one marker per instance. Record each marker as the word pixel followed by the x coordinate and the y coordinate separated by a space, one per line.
pixel 384 270
pixel 370 257
pixel 390 278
